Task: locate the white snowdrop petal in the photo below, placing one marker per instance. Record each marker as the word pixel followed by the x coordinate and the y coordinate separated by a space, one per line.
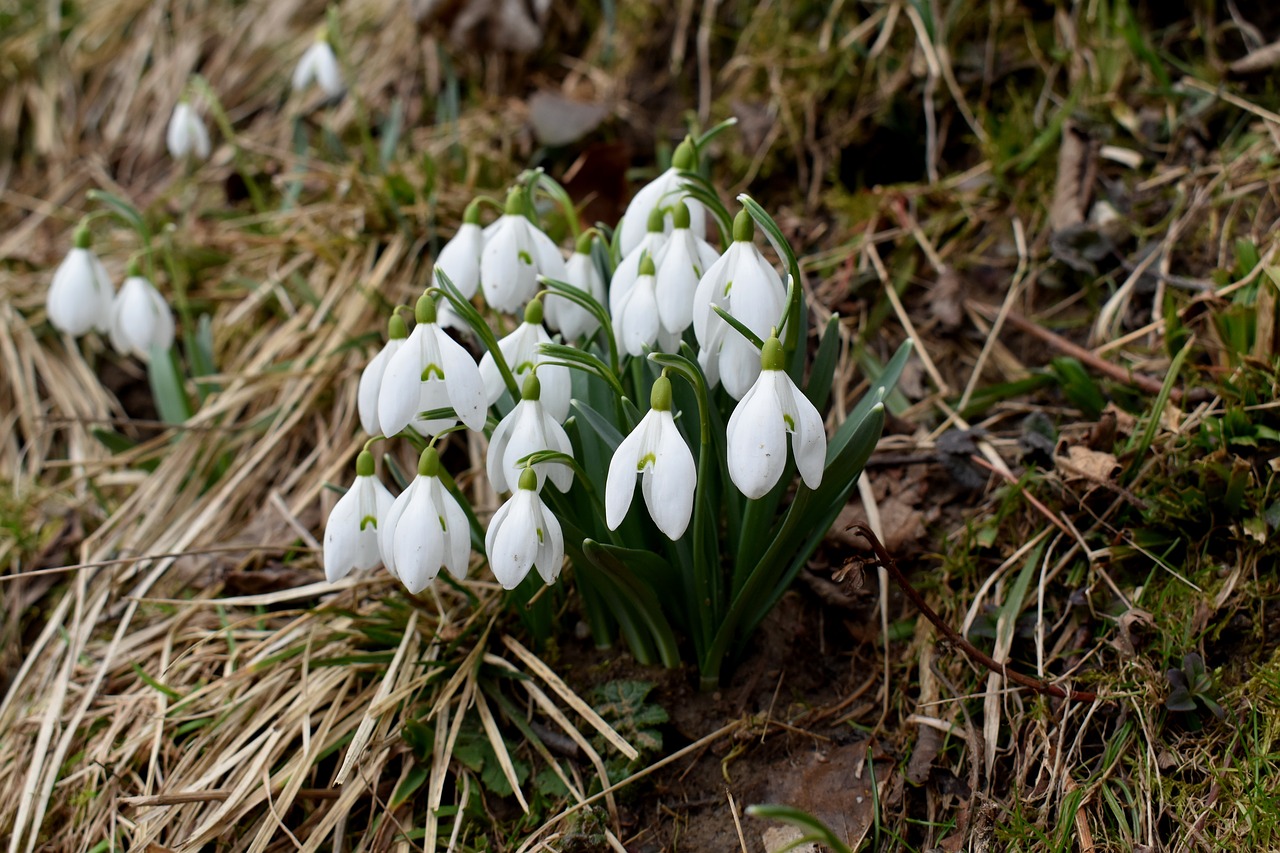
pixel 739 363
pixel 669 487
pixel 75 300
pixel 620 483
pixel 494 456
pixel 515 541
pixel 399 395
pixel 457 552
pixel 460 258
pixel 340 537
pixel 418 543
pixel 808 435
pixel 462 377
pixel 371 384
pixel 387 531
pixel 757 441
pixel 550 558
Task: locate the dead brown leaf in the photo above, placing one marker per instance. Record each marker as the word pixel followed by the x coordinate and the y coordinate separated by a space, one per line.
pixel 1082 463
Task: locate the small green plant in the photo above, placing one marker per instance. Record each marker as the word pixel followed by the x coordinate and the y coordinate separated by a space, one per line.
pixel 1192 684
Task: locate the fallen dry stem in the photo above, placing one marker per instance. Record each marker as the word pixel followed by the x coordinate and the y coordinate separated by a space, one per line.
pixel 973 652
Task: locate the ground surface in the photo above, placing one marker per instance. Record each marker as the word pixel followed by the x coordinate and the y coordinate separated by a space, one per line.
pixel 1071 208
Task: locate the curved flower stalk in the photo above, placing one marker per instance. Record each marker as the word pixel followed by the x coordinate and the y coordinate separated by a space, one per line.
pixel 319 65
pixel 756 437
pixel 431 371
pixel 661 194
pixel 140 318
pixel 80 294
pixel 653 245
pixel 524 534
pixel 371 378
pixel 686 257
pixel 425 529
pixel 515 254
pixel 186 135
pixel 656 451
pixel 746 286
pixel 520 351
pixel 570 319
pixel 351 533
pixel 635 322
pixel 526 429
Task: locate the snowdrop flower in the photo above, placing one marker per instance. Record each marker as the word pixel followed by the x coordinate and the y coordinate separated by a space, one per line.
pixel 81 292
pixel 460 257
pixel 657 452
pixel 653 245
pixel 757 432
pixel 520 351
pixel 431 371
pixel 686 257
pixel 371 378
pixel 635 322
pixel 515 254
pixel 524 534
pixel 526 429
pixel 187 136
pixel 140 318
pixel 566 316
pixel 425 529
pixel 662 192
pixel 746 286
pixel 319 65
pixel 351 533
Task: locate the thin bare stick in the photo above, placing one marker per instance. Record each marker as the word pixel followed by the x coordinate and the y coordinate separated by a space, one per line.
pixel 971 651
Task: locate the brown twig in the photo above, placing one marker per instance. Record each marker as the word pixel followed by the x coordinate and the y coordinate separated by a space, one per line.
pixel 1114 371
pixel 954 636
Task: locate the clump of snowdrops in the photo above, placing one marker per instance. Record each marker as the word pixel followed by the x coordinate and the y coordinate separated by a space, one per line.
pixel 651 359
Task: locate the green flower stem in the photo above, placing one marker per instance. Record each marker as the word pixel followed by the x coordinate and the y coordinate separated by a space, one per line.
pixel 468 312
pixel 555 287
pixel 706 611
pixel 228 132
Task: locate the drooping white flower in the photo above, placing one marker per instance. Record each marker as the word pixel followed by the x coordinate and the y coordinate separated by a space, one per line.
pixel 656 451
pixel 425 529
pixel 351 533
pixel 524 534
pixel 685 258
pixel 746 286
pixel 526 429
pixel 652 245
pixel 635 321
pixel 431 371
pixel 371 379
pixel 140 318
pixel 564 315
pixel 80 294
pixel 319 65
pixel 756 437
pixel 662 193
pixel 520 351
pixel 460 257
pixel 186 136
pixel 515 254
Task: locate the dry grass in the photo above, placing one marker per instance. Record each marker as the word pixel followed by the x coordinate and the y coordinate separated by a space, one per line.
pixel 152 697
